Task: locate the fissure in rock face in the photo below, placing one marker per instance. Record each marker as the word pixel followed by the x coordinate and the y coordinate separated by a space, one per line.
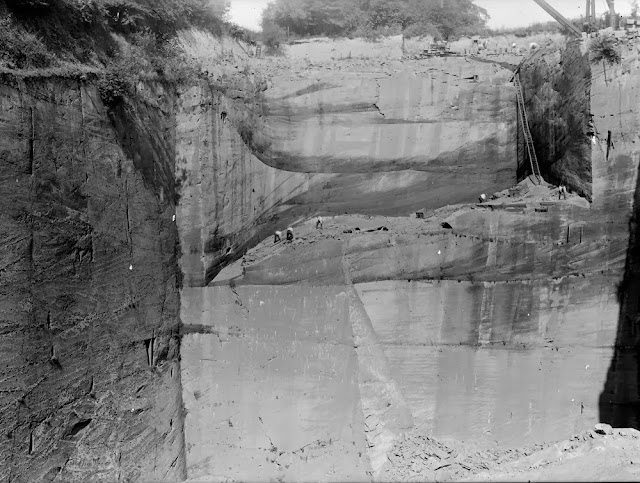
pixel 512 324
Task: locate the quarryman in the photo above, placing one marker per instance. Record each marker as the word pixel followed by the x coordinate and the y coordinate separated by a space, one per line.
pixel 289 233
pixel 562 192
pixel 319 223
pixel 277 236
pixel 483 198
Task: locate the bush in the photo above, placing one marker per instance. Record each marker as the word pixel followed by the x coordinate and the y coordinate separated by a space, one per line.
pixel 421 30
pixel 130 40
pixel 114 88
pixel 88 11
pixel 367 31
pixel 604 49
pixel 273 37
pixel 22 49
pixel 147 57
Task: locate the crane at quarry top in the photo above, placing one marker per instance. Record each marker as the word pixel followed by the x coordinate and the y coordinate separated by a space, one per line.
pixel 590 14
pixel 612 14
pixel 558 17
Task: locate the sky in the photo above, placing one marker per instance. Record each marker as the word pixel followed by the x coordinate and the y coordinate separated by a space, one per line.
pixel 504 13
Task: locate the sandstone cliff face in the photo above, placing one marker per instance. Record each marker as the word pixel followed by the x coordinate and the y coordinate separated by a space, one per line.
pixel 323 353
pixel 373 143
pixel 90 378
pixel 504 327
pixel 90 303
pixel 615 161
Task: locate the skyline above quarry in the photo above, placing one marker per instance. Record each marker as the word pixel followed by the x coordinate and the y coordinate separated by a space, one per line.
pixel 503 13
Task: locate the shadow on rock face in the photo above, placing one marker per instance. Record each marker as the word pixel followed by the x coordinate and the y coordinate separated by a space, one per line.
pixel 619 403
pixel 144 134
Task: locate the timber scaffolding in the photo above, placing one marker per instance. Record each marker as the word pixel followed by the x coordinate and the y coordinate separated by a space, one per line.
pixel 523 127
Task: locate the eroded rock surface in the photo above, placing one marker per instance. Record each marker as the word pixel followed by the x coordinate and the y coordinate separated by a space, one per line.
pixel 90 380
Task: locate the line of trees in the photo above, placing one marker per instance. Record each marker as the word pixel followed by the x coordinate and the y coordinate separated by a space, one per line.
pixel 129 15
pixel 442 19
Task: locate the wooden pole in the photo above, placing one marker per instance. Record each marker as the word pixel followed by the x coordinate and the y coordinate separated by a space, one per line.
pixel 587 14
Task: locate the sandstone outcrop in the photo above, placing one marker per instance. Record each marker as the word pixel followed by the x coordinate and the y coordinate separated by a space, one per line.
pixel 90 376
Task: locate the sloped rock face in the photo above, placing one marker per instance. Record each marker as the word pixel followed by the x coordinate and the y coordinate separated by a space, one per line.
pixel 334 142
pixel 90 378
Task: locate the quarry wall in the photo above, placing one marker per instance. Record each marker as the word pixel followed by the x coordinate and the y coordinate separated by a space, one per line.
pixel 321 356
pixel 89 303
pixel 511 326
pixel 90 284
pixel 331 142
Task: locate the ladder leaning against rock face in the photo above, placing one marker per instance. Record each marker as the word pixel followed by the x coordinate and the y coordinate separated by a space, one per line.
pixel 526 133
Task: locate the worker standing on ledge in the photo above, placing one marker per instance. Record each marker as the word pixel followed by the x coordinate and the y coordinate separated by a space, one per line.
pixel 319 223
pixel 289 233
pixel 483 198
pixel 562 192
pixel 277 236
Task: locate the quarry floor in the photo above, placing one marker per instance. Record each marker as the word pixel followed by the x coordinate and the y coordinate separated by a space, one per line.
pixel 254 342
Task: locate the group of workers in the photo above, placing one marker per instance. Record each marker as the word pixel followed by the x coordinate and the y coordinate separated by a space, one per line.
pixel 562 194
pixel 289 231
pixel 278 235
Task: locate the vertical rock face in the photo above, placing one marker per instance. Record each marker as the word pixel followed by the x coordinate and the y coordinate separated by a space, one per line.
pixel 440 122
pixel 505 326
pixel 556 87
pixel 615 161
pixel 292 384
pixel 90 379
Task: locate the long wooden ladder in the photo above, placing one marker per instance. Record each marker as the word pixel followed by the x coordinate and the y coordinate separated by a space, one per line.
pixel 535 169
